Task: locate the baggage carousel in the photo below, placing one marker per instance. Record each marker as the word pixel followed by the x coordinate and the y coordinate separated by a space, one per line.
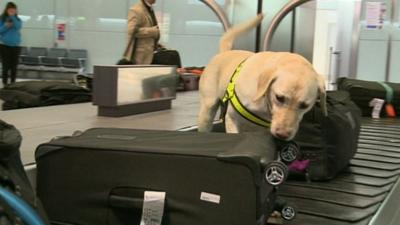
pixel 368 193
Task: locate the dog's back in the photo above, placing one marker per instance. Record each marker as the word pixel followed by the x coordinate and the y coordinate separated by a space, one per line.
pixel 216 76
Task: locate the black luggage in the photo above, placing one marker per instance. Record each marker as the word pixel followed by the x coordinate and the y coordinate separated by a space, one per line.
pixel 29 94
pixel 167 57
pixel 100 177
pixel 16 194
pixel 329 142
pixel 363 92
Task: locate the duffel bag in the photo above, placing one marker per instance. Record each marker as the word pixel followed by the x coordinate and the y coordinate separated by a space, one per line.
pixel 363 92
pixel 18 202
pixel 106 176
pixel 328 143
pixel 167 57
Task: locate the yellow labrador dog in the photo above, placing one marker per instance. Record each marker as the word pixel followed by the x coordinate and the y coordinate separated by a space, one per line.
pixel 279 87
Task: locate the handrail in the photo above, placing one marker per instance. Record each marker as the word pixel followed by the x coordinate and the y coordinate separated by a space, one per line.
pixel 278 19
pixel 219 12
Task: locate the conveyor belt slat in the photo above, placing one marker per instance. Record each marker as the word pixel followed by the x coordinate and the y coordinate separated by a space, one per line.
pixel 381 143
pixel 316 220
pixel 372 172
pixel 344 187
pixel 375 165
pixel 379 153
pixel 334 197
pixel 379 147
pixel 366 180
pixel 355 195
pixel 377 158
pixel 333 211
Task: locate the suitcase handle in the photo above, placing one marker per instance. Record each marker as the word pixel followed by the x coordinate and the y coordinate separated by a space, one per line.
pixel 124 202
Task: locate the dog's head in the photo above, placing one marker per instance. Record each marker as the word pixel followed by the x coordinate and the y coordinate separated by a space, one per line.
pixel 291 89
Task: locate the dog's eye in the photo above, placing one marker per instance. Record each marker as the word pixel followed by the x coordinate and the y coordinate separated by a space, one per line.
pixel 280 99
pixel 303 105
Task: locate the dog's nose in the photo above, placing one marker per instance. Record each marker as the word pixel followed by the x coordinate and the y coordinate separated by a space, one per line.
pixel 283 135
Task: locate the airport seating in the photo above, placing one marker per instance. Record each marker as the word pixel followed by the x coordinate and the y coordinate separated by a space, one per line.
pixel 24 51
pixel 33 57
pixel 75 59
pixel 53 59
pixel 54 56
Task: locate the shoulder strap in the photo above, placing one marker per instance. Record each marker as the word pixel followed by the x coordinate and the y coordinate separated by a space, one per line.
pixel 389 91
pixel 131 42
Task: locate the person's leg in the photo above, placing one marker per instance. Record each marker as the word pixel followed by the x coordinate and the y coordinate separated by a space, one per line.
pixel 5 61
pixel 14 63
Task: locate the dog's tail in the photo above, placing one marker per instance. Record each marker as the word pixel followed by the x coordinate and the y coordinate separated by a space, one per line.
pixel 230 35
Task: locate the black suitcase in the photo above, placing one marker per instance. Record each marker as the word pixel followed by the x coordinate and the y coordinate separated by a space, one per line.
pixel 363 92
pixel 27 94
pixel 167 57
pixel 18 202
pixel 100 177
pixel 329 142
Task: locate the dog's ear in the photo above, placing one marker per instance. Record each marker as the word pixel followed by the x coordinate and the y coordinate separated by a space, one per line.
pixel 265 81
pixel 322 93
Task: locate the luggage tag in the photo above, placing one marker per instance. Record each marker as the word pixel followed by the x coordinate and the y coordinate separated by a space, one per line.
pixel 378 105
pixel 390 111
pixel 153 208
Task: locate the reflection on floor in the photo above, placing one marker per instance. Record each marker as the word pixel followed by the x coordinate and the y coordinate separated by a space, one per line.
pixel 39 125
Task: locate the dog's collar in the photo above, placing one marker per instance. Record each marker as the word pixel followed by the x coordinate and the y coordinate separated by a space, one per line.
pixel 231 96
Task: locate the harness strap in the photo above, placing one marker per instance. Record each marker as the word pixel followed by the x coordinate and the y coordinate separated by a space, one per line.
pixel 389 91
pixel 230 91
pixel 231 96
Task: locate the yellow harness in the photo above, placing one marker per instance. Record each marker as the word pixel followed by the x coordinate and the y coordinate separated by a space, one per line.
pixel 231 96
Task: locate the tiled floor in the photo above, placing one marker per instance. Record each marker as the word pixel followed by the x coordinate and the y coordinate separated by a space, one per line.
pixel 39 125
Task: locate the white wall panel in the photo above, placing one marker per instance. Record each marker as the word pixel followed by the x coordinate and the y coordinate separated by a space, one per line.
pixel 191 28
pixel 282 38
pixel 37 37
pixel 198 54
pixel 372 60
pixel 394 65
pixel 244 10
pixel 183 13
pixel 98 15
pixel 305 29
pixel 394 75
pixel 104 48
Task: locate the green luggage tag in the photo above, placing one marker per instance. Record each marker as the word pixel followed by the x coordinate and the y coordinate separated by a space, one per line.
pixel 390 111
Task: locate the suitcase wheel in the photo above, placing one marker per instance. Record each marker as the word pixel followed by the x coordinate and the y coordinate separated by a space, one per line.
pixel 288 213
pixel 276 173
pixel 290 153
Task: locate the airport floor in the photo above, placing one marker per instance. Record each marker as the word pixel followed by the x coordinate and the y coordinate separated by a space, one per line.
pixel 39 125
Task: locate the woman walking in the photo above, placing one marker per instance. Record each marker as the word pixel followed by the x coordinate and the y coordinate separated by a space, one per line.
pixel 10 37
